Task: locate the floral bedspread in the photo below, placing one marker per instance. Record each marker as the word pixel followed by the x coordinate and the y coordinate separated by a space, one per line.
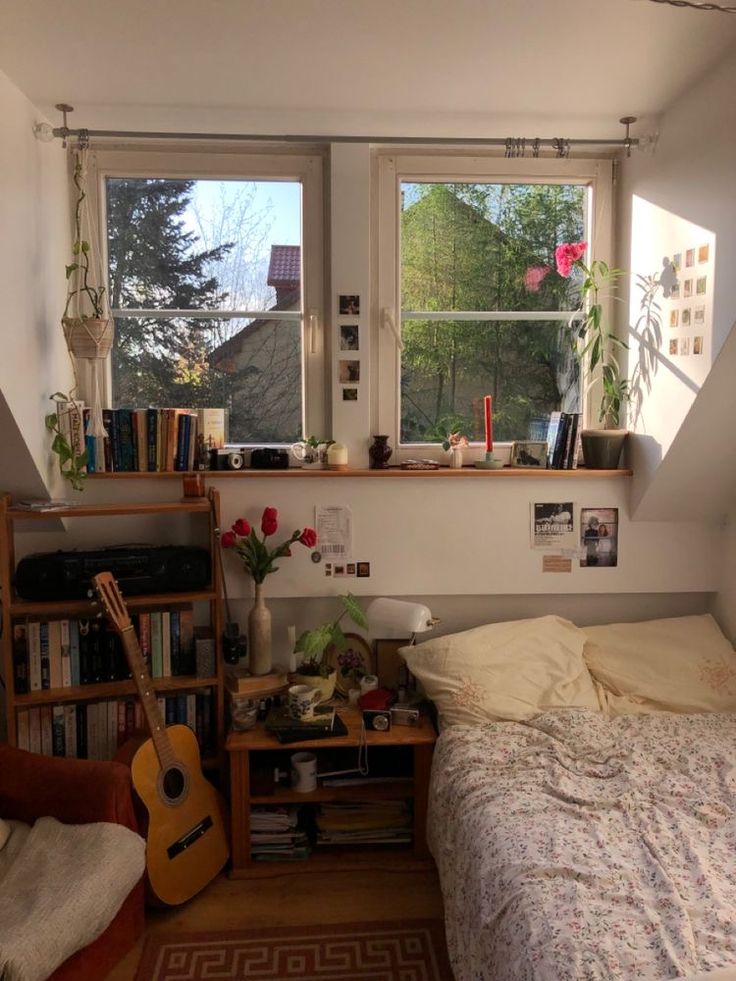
pixel 577 848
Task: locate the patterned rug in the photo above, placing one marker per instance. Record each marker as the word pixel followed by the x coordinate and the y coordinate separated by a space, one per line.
pixel 409 950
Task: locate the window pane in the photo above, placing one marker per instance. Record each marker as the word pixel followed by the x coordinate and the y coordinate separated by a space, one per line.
pixel 448 366
pixel 209 245
pixel 470 246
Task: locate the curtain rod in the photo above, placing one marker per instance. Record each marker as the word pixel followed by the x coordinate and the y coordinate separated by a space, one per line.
pixel 514 146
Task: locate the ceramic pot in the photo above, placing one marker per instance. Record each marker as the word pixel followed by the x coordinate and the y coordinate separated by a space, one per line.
pixel 87 337
pixel 259 634
pixel 602 447
pixel 380 453
pixel 326 686
pixel 456 457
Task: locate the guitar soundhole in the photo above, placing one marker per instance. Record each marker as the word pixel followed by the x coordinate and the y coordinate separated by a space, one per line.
pixel 174 783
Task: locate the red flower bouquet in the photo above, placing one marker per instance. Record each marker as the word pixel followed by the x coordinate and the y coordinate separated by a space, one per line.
pixel 257 557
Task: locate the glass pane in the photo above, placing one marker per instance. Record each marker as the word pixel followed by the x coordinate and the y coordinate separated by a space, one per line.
pixel 208 245
pixel 487 246
pixel 252 368
pixel 448 366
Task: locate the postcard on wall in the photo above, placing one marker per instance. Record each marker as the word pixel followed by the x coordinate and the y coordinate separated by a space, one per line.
pixel 553 525
pixel 334 526
pixel 598 537
pixel 349 337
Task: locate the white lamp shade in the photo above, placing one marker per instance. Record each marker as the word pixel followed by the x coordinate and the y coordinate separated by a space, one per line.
pixel 390 618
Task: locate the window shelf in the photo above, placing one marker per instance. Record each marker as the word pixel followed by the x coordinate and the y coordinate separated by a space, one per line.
pixel 297 473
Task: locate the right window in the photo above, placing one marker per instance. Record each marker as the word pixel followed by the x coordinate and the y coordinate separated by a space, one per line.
pixel 479 307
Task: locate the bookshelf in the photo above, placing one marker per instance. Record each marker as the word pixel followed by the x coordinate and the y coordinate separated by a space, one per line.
pixel 28 711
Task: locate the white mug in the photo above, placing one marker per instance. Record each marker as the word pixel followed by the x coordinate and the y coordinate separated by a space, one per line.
pixel 303 772
pixel 302 700
pixel 310 456
pixel 368 682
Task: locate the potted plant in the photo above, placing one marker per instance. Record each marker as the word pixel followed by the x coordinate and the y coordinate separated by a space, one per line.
pixel 454 443
pixel 314 669
pixel 597 348
pixel 66 424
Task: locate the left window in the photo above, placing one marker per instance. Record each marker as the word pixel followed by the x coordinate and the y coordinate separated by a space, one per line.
pixel 215 285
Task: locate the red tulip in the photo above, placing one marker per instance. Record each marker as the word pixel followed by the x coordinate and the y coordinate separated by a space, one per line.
pixel 308 537
pixel 242 528
pixel 270 521
pixel 228 539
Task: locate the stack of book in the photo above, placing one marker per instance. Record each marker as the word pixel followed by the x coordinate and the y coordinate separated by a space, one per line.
pixel 563 440
pixel 274 835
pixel 287 729
pixel 241 683
pixel 375 822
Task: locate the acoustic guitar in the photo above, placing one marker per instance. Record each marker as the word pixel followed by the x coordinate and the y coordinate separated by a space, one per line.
pixel 186 844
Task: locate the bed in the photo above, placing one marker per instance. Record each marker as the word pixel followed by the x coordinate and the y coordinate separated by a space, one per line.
pixel 583 830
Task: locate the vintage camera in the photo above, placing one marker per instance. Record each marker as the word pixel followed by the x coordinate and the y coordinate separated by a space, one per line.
pixel 226 460
pixel 377 720
pixel 402 715
pixel 269 458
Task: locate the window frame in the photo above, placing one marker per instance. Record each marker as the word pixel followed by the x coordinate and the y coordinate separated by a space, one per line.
pixel 393 167
pixel 298 163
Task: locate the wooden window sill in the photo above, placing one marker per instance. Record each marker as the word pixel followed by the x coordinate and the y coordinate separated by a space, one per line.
pixel 297 473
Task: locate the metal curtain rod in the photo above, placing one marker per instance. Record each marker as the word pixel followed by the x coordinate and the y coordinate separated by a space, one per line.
pixel 515 146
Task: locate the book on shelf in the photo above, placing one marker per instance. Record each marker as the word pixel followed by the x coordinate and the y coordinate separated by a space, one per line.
pixel 279 718
pixel 240 681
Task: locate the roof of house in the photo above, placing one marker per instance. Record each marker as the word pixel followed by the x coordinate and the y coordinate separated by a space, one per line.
pixel 230 348
pixel 284 269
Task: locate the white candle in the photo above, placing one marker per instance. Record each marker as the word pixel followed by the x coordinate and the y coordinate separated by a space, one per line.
pixel 337 455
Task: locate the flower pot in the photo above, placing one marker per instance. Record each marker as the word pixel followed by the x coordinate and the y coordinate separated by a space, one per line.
pixel 88 337
pixel 259 634
pixel 326 686
pixel 456 458
pixel 602 447
pixel 379 453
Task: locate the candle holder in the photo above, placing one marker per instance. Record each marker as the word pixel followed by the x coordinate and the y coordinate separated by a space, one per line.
pixel 490 462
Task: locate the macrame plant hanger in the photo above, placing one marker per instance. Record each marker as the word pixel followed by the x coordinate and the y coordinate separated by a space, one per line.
pixel 87 323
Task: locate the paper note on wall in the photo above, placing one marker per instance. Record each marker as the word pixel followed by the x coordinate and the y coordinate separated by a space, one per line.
pixel 334 525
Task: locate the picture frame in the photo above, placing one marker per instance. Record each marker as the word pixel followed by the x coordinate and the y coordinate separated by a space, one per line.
pixel 529 454
pixel 390 668
pixel 358 646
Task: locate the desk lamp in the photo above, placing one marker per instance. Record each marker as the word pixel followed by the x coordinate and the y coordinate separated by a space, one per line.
pixel 395 619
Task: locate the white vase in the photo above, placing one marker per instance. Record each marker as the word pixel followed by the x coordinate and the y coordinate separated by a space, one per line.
pixel 259 634
pixel 456 457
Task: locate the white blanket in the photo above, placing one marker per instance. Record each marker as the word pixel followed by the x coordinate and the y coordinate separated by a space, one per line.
pixel 60 886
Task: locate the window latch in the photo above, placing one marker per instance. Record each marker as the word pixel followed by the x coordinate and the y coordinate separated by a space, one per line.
pixel 387 321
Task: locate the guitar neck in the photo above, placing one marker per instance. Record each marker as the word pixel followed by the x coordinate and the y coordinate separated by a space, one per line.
pixel 147 695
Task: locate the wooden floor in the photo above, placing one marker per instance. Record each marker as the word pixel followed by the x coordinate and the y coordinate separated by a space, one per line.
pixel 296 900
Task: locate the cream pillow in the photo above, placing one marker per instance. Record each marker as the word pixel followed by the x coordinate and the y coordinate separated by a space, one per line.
pixel 680 664
pixel 510 670
pixel 4 832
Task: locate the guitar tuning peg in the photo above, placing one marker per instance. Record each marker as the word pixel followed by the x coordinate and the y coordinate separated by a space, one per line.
pixel 98 616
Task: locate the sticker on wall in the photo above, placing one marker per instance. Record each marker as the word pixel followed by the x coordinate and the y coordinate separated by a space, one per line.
pixel 556 563
pixel 350 394
pixel 686 317
pixel 349 337
pixel 598 537
pixel 349 371
pixel 363 570
pixel 697 345
pixel 349 305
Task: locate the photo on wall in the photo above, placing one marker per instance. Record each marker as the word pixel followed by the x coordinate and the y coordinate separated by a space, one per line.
pixel 349 305
pixel 349 371
pixel 598 537
pixel 553 525
pixel 349 337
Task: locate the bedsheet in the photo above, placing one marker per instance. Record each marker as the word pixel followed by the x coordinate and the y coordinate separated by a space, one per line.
pixel 576 847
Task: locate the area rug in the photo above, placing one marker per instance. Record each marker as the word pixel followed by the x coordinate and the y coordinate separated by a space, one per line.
pixel 409 950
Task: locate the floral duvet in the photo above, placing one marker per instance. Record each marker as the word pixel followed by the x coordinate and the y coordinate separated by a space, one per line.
pixel 577 847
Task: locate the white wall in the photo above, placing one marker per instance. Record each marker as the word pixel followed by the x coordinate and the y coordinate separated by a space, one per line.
pixel 724 606
pixel 34 243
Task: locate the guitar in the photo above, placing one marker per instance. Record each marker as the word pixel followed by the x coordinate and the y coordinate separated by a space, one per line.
pixel 186 844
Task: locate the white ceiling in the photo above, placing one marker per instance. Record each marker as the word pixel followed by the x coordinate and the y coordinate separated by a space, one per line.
pixel 406 66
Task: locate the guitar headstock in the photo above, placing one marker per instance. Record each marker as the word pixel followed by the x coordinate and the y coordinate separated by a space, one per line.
pixel 112 600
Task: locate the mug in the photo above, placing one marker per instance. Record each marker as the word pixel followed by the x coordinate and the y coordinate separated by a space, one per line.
pixel 303 772
pixel 314 457
pixel 369 682
pixel 302 700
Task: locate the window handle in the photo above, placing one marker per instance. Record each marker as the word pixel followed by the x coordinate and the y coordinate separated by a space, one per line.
pixel 313 328
pixel 387 321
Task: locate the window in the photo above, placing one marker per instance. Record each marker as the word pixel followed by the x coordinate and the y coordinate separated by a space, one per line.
pixel 215 284
pixel 467 281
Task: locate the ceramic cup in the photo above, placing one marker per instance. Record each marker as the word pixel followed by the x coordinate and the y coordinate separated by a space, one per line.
pixel 303 772
pixel 302 700
pixel 369 682
pixel 310 457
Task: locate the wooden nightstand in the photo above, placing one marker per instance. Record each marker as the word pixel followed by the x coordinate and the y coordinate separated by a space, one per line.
pixel 399 764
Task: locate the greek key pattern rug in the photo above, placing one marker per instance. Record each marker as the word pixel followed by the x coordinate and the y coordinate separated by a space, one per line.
pixel 412 950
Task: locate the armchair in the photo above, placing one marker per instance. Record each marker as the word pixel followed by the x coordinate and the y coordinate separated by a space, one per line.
pixel 76 792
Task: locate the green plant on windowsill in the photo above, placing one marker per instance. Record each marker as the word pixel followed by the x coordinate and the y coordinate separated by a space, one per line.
pixel 72 465
pixel 313 643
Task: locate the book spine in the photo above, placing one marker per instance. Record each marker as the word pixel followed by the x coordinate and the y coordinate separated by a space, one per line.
pixel 94 641
pixel 212 426
pixel 110 440
pixel 34 655
pixel 125 437
pixel 181 709
pixel 70 730
pixel 141 439
pixel 552 431
pixel 165 644
pixel 23 729
pixel 66 654
pixel 47 739
pixel 160 440
pixel 175 644
pixel 144 637
pixel 21 667
pixel 90 444
pixel 191 711
pixel 129 719
pixel 82 730
pixel 187 664
pixel 34 727
pixel 152 438
pixel 572 440
pixel 180 458
pixel 85 655
pixel 112 729
pixel 54 635
pixel 58 730
pixel 93 743
pixel 45 661
pixel 192 448
pixel 557 457
pixel 170 716
pixel 156 645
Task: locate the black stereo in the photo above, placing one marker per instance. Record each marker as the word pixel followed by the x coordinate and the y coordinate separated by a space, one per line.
pixel 139 570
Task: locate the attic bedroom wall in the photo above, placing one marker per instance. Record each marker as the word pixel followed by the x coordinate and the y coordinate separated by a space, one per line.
pixel 34 242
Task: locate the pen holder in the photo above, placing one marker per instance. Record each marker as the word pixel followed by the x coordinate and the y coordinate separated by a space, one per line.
pixel 489 463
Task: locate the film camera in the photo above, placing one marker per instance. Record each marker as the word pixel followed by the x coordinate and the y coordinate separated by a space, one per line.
pixel 226 459
pixel 269 458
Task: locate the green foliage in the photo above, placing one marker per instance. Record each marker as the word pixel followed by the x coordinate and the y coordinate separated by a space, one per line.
pixel 82 286
pixel 72 466
pixel 313 643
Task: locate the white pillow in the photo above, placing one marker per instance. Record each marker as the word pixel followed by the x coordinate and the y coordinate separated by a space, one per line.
pixel 512 670
pixel 4 832
pixel 678 664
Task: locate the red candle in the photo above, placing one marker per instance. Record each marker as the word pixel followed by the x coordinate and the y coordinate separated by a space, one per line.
pixel 487 403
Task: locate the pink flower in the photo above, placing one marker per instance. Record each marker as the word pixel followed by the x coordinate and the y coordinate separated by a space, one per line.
pixel 568 253
pixel 270 521
pixel 308 537
pixel 534 277
pixel 242 528
pixel 228 539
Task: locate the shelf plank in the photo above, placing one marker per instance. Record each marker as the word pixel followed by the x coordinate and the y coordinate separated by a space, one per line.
pixel 390 472
pixel 89 608
pixel 383 791
pixel 185 506
pixel 339 859
pixel 107 689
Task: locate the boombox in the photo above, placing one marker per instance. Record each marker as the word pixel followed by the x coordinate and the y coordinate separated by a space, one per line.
pixel 139 570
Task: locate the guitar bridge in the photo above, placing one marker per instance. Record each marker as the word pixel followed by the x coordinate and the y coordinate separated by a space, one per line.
pixel 188 839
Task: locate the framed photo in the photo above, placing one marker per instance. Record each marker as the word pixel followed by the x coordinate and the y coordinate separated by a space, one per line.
pixel 350 664
pixel 529 453
pixel 390 668
pixel 349 371
pixel 349 337
pixel 349 305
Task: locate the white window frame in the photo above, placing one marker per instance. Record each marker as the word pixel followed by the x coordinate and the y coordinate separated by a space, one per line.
pixel 395 167
pixel 230 162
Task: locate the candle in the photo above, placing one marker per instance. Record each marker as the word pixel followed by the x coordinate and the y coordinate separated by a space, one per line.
pixel 487 403
pixel 337 456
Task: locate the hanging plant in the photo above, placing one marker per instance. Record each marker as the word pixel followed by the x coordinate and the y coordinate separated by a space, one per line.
pixel 72 462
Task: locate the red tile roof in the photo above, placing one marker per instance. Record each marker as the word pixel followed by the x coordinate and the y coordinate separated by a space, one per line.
pixel 284 269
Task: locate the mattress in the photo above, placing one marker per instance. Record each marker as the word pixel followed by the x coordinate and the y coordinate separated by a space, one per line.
pixel 576 847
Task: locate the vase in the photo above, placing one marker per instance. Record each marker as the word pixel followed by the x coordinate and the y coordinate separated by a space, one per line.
pixel 602 447
pixel 259 634
pixel 456 457
pixel 325 686
pixel 379 452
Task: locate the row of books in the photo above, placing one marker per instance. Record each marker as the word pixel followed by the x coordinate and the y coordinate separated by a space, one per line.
pixel 95 730
pixel 374 822
pixel 144 440
pixel 49 654
pixel 563 440
pixel 275 835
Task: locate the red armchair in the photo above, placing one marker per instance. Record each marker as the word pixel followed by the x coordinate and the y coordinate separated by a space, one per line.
pixel 76 792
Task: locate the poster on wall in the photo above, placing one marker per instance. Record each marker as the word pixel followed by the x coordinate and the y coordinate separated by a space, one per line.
pixel 598 537
pixel 553 525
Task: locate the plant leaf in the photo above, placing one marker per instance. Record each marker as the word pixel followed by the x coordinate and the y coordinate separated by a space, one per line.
pixel 354 610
